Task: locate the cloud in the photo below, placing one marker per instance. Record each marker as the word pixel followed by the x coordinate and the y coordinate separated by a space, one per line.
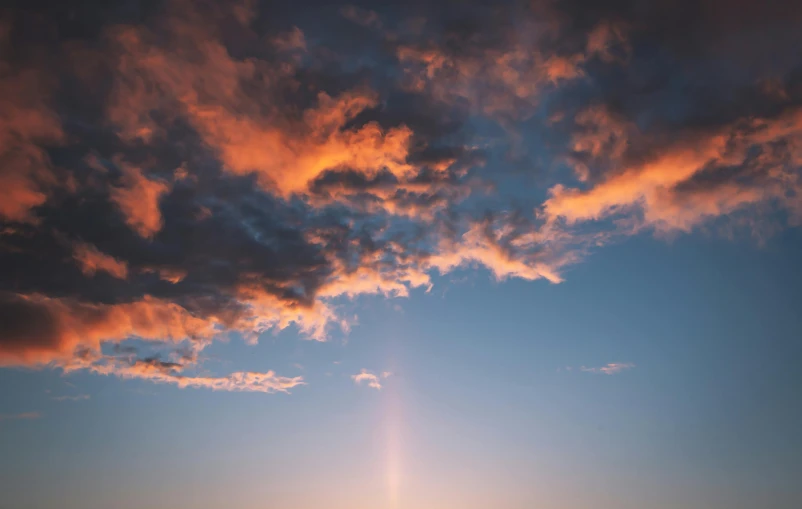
pixel 500 62
pixel 91 261
pixel 688 182
pixel 364 17
pixel 162 372
pixel 69 335
pixel 138 199
pixel 657 150
pixel 39 330
pixel 370 379
pixel 191 172
pixel 613 368
pixel 502 251
pixel 21 416
pixel 246 131
pixel 26 126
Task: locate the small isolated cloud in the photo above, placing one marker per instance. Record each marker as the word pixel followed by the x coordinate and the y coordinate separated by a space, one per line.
pixel 17 417
pixel 91 261
pixel 612 368
pixel 79 397
pixel 372 380
pixel 364 17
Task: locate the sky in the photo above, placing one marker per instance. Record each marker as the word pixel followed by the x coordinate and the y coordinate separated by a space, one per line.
pixel 400 255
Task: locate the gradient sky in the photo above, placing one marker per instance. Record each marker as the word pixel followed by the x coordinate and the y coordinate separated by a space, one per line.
pixel 401 255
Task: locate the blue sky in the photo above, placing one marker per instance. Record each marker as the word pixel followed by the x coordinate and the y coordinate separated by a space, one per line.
pixel 487 409
pixel 400 255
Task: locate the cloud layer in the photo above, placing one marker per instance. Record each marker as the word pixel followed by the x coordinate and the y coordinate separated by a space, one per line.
pixel 182 171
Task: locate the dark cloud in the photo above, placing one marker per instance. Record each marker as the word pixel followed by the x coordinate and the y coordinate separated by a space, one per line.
pixel 173 171
pixel 26 325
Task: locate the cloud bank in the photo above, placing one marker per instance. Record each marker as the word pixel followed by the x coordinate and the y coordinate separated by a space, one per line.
pixel 181 171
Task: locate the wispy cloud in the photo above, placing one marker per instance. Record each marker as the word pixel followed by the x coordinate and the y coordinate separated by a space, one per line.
pixel 154 370
pixel 21 416
pixel 371 379
pixel 612 368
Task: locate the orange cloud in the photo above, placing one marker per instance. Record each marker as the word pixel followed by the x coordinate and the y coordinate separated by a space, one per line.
pixel 27 125
pixel 635 185
pixel 39 330
pixel 138 200
pixel 559 68
pixel 67 334
pixel 288 162
pixel 663 190
pixel 600 136
pixel 172 275
pixel 532 255
pixel 483 246
pixel 249 131
pixel 91 260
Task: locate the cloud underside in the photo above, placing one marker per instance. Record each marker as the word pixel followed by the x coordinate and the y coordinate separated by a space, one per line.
pixel 199 170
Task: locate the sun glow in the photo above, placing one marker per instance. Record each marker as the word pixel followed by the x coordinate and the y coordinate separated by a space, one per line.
pixel 392 428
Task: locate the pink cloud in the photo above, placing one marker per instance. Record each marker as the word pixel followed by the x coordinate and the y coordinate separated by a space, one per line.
pixel 612 368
